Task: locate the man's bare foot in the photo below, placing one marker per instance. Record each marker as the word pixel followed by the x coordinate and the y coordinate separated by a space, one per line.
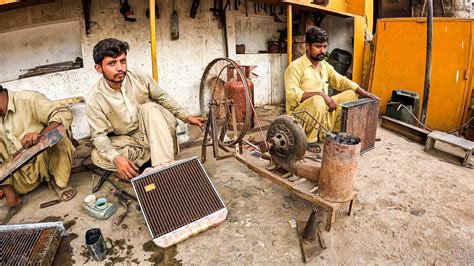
pixel 13 199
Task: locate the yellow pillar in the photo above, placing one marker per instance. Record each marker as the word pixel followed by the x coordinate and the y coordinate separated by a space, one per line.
pixel 153 40
pixel 289 39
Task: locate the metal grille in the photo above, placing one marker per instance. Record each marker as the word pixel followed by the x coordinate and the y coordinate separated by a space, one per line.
pixel 176 196
pixel 360 119
pixel 29 244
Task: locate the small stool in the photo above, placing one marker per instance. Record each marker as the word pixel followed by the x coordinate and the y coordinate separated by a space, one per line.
pixel 466 145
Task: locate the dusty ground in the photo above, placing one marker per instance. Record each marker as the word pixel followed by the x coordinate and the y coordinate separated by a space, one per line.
pixel 412 208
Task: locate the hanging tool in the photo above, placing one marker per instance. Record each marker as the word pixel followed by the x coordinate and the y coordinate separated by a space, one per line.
pixel 174 24
pixel 246 8
pixel 194 8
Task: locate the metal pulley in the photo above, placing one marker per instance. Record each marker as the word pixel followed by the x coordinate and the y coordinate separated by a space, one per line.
pixel 286 141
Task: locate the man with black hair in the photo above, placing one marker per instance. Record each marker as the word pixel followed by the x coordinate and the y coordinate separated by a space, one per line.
pixel 132 119
pixel 24 116
pixel 306 87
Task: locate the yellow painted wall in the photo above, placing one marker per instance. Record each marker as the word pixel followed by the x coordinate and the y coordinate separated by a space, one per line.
pixel 400 56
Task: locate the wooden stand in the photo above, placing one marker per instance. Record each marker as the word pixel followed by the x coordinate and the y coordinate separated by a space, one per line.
pixel 466 145
pixel 300 186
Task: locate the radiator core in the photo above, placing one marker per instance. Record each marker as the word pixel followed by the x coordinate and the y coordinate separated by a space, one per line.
pixel 178 201
pixel 30 244
pixel 360 119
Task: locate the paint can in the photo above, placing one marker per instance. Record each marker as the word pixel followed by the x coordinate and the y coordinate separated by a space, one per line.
pixel 96 244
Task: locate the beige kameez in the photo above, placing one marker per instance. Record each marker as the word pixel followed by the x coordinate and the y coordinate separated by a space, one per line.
pixel 138 122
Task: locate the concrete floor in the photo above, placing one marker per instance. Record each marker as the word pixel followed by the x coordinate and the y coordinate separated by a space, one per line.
pixel 413 207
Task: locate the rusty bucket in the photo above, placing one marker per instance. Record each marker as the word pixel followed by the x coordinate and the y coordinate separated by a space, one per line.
pixel 339 167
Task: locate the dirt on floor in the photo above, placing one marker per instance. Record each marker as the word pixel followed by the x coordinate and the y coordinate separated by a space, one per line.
pixel 413 207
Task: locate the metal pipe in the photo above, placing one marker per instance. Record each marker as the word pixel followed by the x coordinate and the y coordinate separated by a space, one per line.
pixel 429 46
pixel 289 38
pixel 153 40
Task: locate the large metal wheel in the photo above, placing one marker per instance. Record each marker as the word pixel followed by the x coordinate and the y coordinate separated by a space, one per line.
pixel 214 97
pixel 288 141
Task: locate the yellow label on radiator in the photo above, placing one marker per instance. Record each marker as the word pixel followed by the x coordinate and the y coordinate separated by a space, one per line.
pixel 150 187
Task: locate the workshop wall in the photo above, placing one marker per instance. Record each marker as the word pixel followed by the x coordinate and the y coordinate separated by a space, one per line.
pixel 180 62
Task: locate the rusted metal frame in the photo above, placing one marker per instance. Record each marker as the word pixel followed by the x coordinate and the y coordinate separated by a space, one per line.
pixel 25 155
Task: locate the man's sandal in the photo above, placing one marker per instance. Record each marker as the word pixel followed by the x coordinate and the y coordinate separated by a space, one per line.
pixel 63 191
pixel 313 147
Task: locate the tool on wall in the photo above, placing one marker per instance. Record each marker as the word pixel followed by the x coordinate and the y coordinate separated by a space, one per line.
pixel 194 8
pixel 126 11
pixel 174 24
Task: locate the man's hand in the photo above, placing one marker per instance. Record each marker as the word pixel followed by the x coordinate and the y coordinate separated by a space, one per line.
pixel 329 102
pixel 197 120
pixel 365 94
pixel 125 167
pixel 30 139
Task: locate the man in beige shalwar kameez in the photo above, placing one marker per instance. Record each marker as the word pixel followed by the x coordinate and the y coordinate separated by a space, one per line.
pixel 132 120
pixel 24 116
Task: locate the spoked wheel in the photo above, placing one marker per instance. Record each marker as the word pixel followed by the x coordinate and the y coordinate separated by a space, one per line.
pixel 224 91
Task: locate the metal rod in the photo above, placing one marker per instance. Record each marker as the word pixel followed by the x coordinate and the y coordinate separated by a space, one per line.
pixel 153 40
pixel 429 46
pixel 289 38
pixel 296 114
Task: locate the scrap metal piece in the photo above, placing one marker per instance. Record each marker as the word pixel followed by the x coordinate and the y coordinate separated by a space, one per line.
pixel 24 155
pixel 311 240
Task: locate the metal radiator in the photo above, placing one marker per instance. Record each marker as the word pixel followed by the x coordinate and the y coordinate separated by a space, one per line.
pixel 178 201
pixel 360 118
pixel 30 244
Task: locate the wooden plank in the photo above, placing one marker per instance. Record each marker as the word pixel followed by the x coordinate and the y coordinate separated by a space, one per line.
pixel 414 133
pixel 298 190
pixel 451 139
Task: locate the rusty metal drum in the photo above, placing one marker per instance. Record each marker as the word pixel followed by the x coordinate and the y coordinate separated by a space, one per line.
pixel 339 167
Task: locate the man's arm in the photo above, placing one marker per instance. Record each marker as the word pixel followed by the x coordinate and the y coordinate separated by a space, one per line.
pixel 341 83
pixel 327 99
pixel 99 127
pixel 162 98
pixel 48 113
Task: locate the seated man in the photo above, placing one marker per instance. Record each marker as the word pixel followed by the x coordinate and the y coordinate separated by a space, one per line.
pixel 25 115
pixel 135 110
pixel 306 87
